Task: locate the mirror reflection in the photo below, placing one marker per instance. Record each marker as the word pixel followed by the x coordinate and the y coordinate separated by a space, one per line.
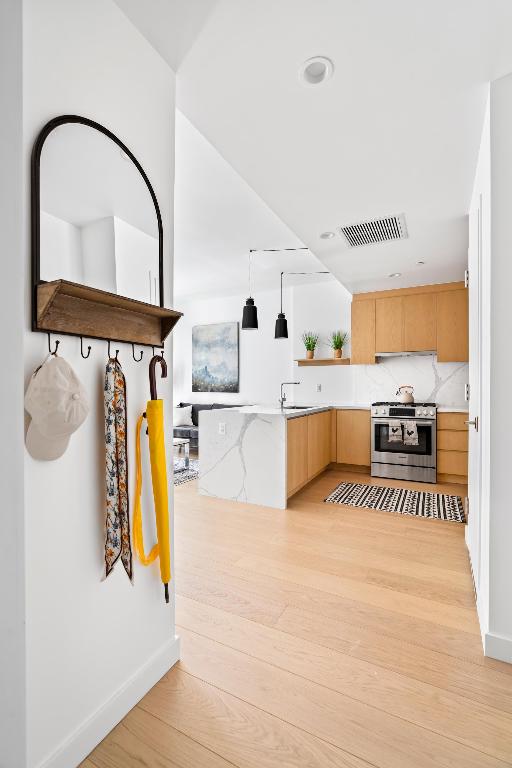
pixel 98 224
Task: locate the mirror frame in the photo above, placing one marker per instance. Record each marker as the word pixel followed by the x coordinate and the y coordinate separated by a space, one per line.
pixel 36 200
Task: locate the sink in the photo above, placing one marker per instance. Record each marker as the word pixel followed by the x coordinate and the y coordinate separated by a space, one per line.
pixel 296 407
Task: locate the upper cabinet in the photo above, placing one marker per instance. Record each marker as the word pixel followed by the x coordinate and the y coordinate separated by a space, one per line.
pixel 363 332
pixel 430 318
pixel 452 326
pixel 419 322
pixel 389 324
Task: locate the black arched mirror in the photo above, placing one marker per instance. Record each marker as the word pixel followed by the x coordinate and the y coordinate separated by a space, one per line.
pixel 95 216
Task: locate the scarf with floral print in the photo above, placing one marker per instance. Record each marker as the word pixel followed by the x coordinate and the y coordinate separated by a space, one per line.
pixel 117 518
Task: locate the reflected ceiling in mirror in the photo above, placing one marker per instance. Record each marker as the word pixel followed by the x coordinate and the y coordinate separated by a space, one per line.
pixel 98 222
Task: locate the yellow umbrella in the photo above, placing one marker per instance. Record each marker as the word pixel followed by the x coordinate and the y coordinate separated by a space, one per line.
pixel 154 415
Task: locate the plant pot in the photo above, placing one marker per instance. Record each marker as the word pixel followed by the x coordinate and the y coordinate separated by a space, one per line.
pixel 338 353
pixel 310 353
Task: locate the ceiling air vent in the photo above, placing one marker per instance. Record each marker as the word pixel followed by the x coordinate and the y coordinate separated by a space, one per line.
pixel 377 231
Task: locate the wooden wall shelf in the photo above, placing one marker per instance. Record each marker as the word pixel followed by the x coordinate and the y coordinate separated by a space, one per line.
pixel 325 361
pixel 77 310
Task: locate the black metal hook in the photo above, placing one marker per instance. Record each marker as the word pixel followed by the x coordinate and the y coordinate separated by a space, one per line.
pixel 50 345
pixel 137 359
pixel 109 353
pixel 82 349
pixel 161 351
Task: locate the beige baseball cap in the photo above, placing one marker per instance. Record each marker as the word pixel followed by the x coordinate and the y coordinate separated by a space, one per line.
pixel 57 404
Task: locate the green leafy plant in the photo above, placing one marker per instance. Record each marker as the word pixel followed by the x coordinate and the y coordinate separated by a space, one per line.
pixel 338 339
pixel 310 340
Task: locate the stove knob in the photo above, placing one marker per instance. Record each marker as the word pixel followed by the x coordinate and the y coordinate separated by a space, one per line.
pixel 383 410
pixel 432 413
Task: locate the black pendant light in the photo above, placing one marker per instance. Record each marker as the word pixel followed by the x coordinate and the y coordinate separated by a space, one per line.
pixel 250 313
pixel 281 322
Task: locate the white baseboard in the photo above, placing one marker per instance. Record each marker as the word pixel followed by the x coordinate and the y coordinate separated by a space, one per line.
pixel 498 647
pixel 82 741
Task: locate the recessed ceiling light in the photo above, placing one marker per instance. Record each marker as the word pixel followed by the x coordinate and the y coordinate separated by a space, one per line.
pixel 395 274
pixel 327 235
pixel 420 262
pixel 316 70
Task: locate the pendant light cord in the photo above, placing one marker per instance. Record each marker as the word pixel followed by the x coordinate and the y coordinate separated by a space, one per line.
pixel 278 250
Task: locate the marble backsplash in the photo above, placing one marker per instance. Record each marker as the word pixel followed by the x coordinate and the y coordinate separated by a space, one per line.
pixel 442 383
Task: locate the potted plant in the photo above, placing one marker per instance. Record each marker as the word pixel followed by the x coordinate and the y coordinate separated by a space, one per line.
pixel 310 340
pixel 337 340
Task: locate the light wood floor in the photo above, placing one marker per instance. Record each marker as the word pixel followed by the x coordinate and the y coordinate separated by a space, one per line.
pixel 318 637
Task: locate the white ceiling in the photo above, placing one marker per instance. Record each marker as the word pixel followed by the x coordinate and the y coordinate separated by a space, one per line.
pixel 395 130
pixel 171 26
pixel 218 218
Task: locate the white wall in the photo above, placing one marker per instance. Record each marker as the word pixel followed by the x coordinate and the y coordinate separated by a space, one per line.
pixel 88 641
pixel 264 361
pixel 136 255
pixel 12 523
pixel 98 254
pixel 498 641
pixel 61 249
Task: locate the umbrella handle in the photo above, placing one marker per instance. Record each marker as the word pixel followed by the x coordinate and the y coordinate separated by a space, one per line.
pixel 152 376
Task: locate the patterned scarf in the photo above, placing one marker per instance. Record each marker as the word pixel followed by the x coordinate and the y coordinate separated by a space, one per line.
pixel 117 519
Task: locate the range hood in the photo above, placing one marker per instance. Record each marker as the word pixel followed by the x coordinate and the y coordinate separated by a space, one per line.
pixel 423 353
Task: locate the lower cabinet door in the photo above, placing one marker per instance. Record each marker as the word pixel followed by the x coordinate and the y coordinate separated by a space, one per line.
pixel 297 453
pixel 319 442
pixel 353 437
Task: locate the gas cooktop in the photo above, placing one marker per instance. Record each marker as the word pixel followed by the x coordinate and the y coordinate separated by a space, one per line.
pixel 396 404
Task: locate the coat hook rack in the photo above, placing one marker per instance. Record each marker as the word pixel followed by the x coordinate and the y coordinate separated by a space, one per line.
pixel 54 351
pixel 109 353
pixel 82 349
pixel 137 359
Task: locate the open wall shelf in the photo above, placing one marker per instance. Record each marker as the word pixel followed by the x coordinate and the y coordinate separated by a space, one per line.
pixel 324 361
pixel 77 310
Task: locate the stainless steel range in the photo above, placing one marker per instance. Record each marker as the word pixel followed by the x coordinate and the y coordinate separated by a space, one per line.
pixel 400 453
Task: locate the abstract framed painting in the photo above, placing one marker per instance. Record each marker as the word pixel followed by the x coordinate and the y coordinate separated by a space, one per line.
pixel 215 358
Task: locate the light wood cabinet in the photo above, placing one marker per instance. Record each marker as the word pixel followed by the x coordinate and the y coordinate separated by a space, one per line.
pixel 419 315
pixel 297 453
pixel 363 332
pixel 452 440
pixel 389 324
pixel 420 319
pixel 453 463
pixel 452 447
pixel 452 326
pixel 353 437
pixel 309 447
pixel 452 420
pixel 319 443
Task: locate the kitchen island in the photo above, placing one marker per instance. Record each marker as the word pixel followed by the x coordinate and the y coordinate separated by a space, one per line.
pixel 246 453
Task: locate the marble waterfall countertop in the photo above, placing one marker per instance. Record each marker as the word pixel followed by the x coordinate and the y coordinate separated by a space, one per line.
pixel 242 455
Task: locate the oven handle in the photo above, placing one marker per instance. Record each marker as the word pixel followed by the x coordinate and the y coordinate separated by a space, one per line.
pixel 419 422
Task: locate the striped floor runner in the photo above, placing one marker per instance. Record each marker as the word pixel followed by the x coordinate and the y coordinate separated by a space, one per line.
pixel 405 502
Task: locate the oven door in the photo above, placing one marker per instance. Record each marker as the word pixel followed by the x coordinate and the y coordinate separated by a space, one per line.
pixel 386 452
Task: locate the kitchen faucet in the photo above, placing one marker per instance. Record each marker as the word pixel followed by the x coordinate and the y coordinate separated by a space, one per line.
pixel 283 396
